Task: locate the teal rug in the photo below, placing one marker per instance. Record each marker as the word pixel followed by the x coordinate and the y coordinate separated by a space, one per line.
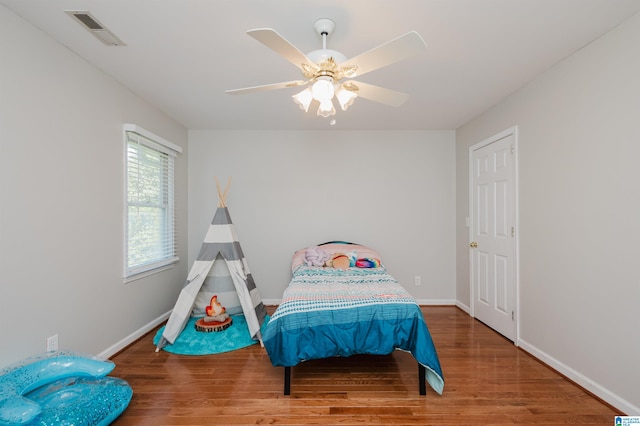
pixel 193 342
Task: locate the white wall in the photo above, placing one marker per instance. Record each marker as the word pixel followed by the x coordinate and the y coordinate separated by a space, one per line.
pixel 61 189
pixel 392 191
pixel 579 213
pixel 61 211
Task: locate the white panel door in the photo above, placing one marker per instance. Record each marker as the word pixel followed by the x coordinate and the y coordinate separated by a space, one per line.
pixel 493 227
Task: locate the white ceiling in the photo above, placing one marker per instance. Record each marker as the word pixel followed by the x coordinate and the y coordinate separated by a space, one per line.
pixel 181 55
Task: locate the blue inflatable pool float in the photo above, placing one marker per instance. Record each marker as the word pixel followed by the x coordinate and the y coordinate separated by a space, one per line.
pixel 62 389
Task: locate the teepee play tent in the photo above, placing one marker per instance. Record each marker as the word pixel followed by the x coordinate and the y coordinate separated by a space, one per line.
pixel 209 274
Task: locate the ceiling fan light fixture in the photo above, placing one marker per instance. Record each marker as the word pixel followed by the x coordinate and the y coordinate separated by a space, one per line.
pixel 326 108
pixel 303 99
pixel 345 97
pixel 323 89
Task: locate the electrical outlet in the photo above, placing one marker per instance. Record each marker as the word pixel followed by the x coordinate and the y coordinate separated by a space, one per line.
pixel 52 343
pixel 418 280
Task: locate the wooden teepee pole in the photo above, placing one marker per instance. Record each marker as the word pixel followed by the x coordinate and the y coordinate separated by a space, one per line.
pixel 222 196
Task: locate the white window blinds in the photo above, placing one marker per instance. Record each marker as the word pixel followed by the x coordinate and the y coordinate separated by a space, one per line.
pixel 150 223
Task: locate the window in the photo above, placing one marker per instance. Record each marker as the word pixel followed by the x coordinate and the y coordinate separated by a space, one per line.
pixel 150 241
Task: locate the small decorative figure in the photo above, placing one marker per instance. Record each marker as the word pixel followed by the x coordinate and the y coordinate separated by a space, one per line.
pixel 215 311
pixel 217 318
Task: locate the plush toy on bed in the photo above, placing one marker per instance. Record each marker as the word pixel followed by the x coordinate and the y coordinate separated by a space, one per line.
pixel 343 260
pixel 315 256
pixel 368 262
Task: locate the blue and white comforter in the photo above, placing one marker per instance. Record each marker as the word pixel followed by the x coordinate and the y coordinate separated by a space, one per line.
pixel 328 312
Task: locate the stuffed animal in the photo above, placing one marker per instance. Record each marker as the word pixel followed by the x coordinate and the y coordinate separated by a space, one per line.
pixel 367 262
pixel 342 260
pixel 215 311
pixel 315 256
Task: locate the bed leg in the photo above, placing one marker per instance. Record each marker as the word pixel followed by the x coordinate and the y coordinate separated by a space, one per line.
pixel 422 379
pixel 287 380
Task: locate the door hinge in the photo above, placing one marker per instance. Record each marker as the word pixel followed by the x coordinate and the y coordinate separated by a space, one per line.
pixel 513 231
pixel 513 316
pixel 513 149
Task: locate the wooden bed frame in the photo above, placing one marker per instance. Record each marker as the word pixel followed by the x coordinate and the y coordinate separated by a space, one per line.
pixel 421 380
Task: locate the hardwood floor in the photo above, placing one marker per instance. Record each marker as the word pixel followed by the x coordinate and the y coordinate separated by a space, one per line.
pixel 487 381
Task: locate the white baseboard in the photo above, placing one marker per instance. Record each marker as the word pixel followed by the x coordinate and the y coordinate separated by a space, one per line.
pixel 117 347
pixel 591 386
pixel 463 307
pixel 274 302
pixel 435 302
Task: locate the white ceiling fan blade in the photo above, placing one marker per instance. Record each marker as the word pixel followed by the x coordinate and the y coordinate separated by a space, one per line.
pixel 274 86
pixel 280 45
pixel 396 50
pixel 379 94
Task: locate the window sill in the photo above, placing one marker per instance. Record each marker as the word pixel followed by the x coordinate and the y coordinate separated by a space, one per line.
pixel 147 273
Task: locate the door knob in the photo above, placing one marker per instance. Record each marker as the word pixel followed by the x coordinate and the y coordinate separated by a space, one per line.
pixel 473 244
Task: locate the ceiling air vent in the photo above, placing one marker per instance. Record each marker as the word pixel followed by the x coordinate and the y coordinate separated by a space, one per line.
pixel 92 25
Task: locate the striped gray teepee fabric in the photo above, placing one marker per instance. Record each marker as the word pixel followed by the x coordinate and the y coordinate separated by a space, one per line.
pixel 221 239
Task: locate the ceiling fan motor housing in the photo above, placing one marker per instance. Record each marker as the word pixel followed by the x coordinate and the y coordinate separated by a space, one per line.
pixel 321 55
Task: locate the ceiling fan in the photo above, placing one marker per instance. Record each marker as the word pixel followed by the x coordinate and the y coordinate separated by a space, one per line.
pixel 330 72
